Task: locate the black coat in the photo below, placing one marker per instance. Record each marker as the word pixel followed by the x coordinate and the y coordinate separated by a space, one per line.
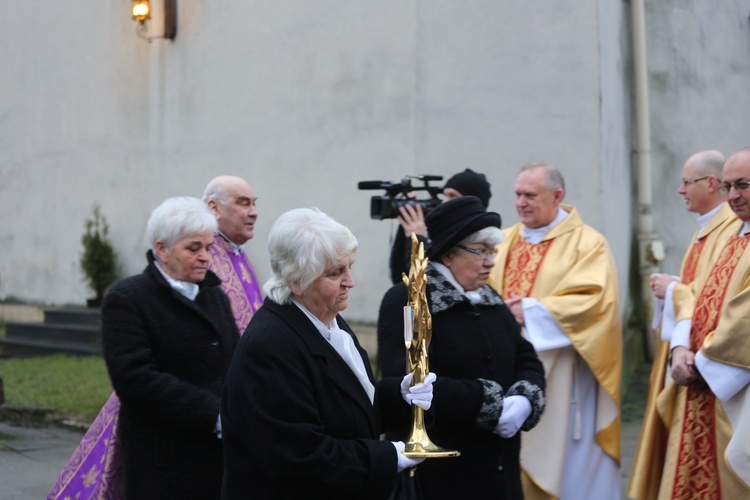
pixel 400 258
pixel 167 357
pixel 479 356
pixel 297 422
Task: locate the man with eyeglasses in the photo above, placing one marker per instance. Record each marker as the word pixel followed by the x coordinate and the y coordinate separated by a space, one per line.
pixel 718 393
pixel 663 423
pixel 559 279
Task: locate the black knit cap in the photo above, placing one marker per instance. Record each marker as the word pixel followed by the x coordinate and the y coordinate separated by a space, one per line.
pixel 470 183
pixel 455 220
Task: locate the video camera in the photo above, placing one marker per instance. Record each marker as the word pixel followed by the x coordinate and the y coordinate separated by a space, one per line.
pixel 397 195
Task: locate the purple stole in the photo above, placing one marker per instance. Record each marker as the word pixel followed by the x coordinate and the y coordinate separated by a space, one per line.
pixel 237 280
pixel 93 471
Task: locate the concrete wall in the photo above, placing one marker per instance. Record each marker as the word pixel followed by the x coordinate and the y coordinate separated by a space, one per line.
pixel 304 99
pixel 699 64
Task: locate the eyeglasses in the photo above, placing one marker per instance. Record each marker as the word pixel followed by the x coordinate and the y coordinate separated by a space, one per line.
pixel 482 254
pixel 687 183
pixel 738 186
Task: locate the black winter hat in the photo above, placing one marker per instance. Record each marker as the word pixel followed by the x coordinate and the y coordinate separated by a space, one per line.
pixel 470 183
pixel 455 220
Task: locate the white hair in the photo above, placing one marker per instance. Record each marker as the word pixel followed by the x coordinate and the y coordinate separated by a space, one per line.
pixel 216 190
pixel 302 243
pixel 177 218
pixel 488 236
pixel 554 176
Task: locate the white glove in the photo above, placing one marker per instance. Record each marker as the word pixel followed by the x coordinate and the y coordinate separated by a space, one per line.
pixel 405 462
pixel 217 427
pixel 516 409
pixel 420 394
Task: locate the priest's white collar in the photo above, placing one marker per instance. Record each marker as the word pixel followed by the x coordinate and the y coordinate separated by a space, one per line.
pixel 704 219
pixel 237 249
pixel 535 235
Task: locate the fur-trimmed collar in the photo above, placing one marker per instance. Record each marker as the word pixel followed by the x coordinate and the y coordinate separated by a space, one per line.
pixel 444 295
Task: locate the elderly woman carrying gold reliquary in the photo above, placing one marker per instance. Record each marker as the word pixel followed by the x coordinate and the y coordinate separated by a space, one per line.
pixel 301 411
pixel 491 383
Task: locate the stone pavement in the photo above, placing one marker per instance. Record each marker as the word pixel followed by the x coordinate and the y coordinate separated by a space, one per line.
pixel 31 459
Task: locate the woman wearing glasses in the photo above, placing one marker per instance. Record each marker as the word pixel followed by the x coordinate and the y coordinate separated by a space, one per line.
pixel 491 382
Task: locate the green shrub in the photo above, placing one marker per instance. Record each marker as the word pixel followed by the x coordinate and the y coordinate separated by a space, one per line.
pixel 99 259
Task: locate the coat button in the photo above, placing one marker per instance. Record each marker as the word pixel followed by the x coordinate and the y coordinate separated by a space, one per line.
pixel 500 468
pixel 215 342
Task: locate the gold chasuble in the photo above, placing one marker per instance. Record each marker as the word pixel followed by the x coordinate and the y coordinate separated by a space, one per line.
pixel 665 397
pixel 572 273
pixel 729 343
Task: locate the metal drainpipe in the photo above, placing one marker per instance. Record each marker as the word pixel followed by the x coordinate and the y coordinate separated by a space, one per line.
pixel 650 248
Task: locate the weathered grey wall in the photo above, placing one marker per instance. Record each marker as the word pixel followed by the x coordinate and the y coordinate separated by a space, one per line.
pixel 699 64
pixel 304 99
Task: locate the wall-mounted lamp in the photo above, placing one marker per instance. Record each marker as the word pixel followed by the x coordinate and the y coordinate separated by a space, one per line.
pixel 141 10
pixel 156 11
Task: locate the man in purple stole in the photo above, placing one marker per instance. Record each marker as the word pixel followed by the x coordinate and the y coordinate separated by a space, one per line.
pixel 233 201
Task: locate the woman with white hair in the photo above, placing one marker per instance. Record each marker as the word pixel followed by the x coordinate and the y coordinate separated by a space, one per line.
pixel 301 410
pixel 168 336
pixel 491 383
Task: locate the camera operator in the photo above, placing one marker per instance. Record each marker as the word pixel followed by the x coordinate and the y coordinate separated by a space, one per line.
pixel 412 218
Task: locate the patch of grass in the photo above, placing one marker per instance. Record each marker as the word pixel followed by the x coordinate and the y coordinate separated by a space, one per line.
pixel 635 395
pixel 74 386
pixel 7 437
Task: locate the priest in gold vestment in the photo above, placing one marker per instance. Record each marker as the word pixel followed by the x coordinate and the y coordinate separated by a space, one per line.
pixel 663 423
pixel 559 279
pixel 722 320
